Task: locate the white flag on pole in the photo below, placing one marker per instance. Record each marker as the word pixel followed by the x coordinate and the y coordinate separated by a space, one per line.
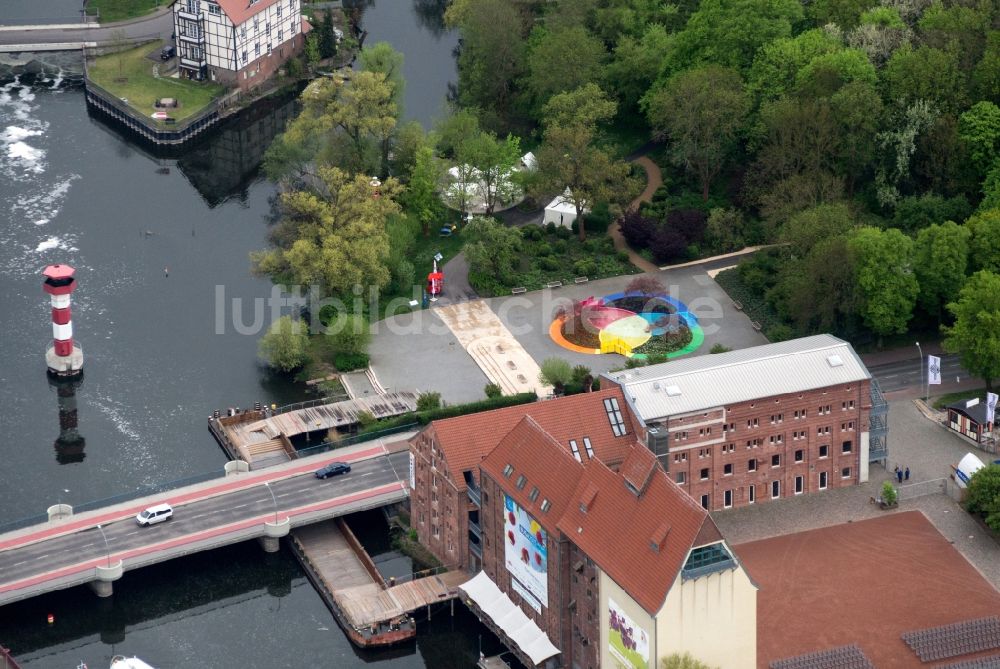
pixel 933 370
pixel 991 405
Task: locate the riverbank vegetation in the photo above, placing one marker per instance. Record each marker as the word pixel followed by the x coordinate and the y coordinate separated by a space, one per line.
pixel 131 76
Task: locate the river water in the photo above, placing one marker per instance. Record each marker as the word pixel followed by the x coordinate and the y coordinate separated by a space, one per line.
pixel 155 242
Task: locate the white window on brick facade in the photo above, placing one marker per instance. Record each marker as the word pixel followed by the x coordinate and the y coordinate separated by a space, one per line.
pixel 775 489
pixel 824 451
pixel 681 478
pixel 752 494
pixel 752 465
pixel 845 473
pixel 727 469
pixel 798 485
pixel 704 474
pixel 727 499
pixel 823 476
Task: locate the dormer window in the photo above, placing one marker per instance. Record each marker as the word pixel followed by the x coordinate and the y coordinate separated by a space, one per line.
pixel 575 449
pixel 546 505
pixel 587 447
pixel 521 480
pixel 533 495
pixel 508 470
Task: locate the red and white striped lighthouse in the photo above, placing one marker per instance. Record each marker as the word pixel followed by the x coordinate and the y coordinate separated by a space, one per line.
pixel 64 358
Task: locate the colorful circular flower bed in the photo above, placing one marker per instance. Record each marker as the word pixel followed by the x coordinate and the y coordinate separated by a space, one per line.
pixel 636 325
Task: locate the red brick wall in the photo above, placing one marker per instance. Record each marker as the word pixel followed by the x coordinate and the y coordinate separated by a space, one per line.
pixel 261 69
pixel 754 436
pixel 584 618
pixel 553 619
pixel 438 510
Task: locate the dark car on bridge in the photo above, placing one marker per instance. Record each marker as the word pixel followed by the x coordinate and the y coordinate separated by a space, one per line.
pixel 333 469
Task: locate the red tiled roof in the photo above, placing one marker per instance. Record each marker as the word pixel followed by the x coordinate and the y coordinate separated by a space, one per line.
pixel 466 440
pixel 638 467
pixel 619 527
pixel 239 11
pixel 535 455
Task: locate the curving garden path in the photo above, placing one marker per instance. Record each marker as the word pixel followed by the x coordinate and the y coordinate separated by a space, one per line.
pixel 654 179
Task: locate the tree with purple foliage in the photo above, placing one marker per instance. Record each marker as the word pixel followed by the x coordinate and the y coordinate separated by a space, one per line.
pixel 637 229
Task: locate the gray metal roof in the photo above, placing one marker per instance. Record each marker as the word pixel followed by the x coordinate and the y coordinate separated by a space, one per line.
pixel 707 381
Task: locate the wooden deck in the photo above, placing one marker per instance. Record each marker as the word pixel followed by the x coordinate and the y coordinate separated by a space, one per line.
pixel 351 589
pixel 262 438
pixel 366 606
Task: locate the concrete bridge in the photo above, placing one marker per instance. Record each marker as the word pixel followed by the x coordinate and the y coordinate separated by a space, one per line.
pixel 64 36
pixel 97 547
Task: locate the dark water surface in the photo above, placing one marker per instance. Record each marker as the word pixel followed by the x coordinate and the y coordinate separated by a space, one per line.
pixel 155 241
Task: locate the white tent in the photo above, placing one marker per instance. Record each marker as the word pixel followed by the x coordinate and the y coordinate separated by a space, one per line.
pixel 561 212
pixel 529 162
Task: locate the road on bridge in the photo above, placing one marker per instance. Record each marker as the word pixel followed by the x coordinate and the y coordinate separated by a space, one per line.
pixel 910 374
pixel 159 24
pixel 49 563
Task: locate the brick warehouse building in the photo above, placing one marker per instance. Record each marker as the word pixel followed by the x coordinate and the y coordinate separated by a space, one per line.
pixel 668 572
pixel 762 423
pixel 445 459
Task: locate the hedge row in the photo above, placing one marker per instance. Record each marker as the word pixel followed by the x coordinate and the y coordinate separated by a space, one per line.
pixel 425 417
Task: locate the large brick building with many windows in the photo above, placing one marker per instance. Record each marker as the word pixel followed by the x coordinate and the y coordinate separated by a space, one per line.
pixel 762 423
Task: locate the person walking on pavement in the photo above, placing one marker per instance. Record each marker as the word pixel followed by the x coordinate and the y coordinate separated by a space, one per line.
pixel 899 475
pixel 906 474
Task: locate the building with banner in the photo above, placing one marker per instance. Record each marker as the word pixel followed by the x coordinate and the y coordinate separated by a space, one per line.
pixel 586 554
pixel 762 423
pixel 971 418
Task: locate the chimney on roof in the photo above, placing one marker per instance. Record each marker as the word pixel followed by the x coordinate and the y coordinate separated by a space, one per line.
pixel 659 537
pixel 588 497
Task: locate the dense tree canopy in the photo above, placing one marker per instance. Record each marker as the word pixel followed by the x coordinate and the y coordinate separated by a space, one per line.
pixel 975 336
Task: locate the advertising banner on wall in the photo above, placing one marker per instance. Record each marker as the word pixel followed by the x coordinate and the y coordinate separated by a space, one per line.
pixel 628 642
pixel 524 552
pixel 413 472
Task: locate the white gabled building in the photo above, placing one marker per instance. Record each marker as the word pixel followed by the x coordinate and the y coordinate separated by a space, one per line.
pixel 239 43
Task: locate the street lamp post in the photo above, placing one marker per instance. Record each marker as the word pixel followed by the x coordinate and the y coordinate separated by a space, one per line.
pixel 107 548
pixel 267 484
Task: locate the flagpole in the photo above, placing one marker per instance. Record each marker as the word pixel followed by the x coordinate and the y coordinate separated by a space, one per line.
pixel 921 363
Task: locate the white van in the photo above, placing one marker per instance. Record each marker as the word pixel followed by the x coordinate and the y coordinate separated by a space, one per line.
pixel 154 514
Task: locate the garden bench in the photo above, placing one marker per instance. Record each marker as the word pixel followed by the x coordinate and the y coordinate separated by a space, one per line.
pixel 756 325
pixel 738 305
pixel 518 290
pixel 581 279
pixel 553 284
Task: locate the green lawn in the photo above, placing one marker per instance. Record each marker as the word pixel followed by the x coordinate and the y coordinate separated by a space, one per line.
pixel 941 401
pixel 120 10
pixel 129 75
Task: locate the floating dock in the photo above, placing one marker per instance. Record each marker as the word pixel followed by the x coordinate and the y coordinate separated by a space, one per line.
pixel 371 611
pixel 262 437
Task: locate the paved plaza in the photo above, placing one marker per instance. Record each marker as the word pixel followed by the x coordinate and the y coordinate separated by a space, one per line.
pixel 419 351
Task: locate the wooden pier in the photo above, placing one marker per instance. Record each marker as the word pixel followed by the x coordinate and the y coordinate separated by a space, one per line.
pixel 262 437
pixel 371 611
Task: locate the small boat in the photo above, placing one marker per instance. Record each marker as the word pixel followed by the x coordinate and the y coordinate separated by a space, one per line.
pixel 122 662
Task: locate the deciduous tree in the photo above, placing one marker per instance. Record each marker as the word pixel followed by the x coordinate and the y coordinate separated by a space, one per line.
pixel 984 246
pixel 941 260
pixel 336 239
pixel 975 336
pixel 979 128
pixel 887 286
pixel 492 248
pixel 285 345
pixel 420 196
pixel 570 159
pixel 700 110
pixel 563 59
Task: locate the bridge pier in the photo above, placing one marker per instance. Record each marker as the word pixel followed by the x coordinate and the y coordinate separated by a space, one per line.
pixel 104 577
pixel 234 467
pixel 271 541
pixel 59 511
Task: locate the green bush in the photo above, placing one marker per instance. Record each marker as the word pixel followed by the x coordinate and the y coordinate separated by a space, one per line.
pixel 428 401
pixel 560 246
pixel 550 228
pixel 585 267
pixel 543 249
pixel 563 233
pixel 532 233
pixel 347 362
pixel 621 256
pixel 889 495
pixel 984 495
pixel 779 332
pixel 719 348
pixel 365 419
pixel 549 264
pixel 493 391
